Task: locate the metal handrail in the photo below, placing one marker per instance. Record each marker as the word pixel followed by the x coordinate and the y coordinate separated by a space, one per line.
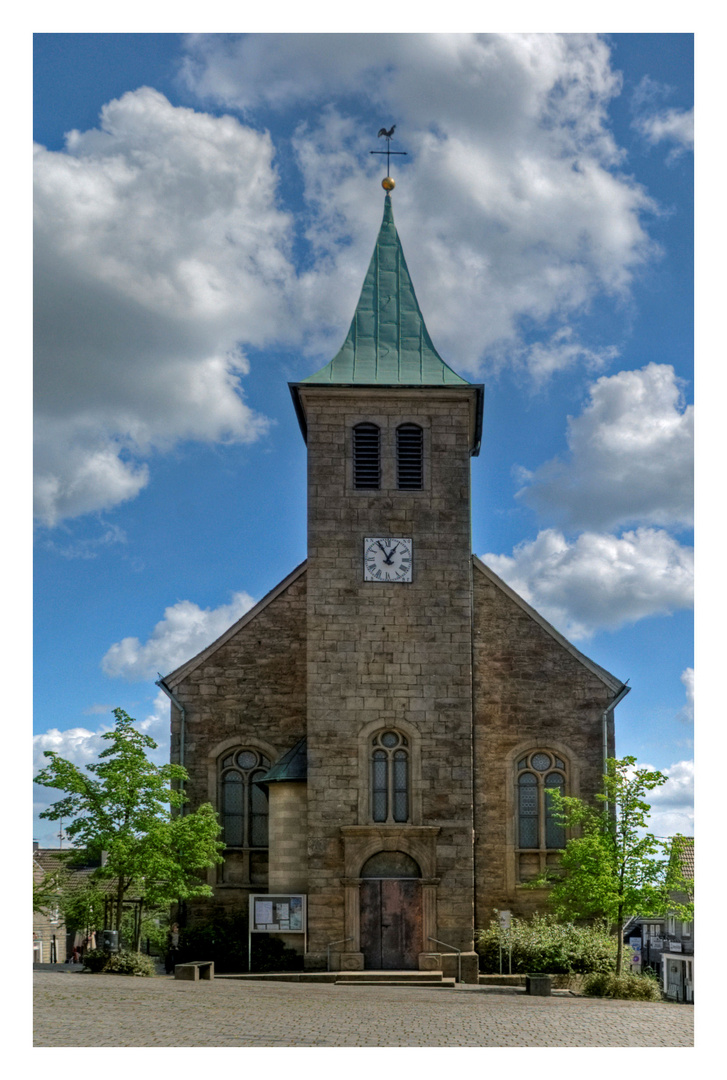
pixel 341 941
pixel 459 956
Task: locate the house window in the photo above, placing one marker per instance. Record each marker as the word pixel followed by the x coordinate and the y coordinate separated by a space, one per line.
pixel 366 456
pixel 540 836
pixel 244 816
pixel 390 777
pixel 409 457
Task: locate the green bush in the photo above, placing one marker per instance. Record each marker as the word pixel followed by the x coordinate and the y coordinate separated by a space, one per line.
pixel 629 987
pixel 223 939
pixel 543 944
pixel 95 959
pixel 129 963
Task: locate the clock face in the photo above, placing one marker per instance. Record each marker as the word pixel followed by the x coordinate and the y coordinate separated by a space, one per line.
pixel 388 558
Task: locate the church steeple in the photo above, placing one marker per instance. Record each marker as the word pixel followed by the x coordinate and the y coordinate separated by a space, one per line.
pixel 388 343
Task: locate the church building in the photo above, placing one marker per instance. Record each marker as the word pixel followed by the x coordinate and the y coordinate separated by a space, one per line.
pixel 379 733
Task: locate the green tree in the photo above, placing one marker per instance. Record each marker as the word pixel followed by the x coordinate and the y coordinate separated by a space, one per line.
pixel 612 867
pixel 130 808
pixel 47 891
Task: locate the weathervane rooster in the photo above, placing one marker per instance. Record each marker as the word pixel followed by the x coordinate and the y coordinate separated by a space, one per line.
pixel 387 183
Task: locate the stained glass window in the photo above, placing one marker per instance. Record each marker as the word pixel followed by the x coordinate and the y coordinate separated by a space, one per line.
pixel 538 830
pixel 243 803
pixel 390 777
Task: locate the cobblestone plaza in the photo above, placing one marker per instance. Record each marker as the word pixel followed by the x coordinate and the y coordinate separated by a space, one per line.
pixel 107 1010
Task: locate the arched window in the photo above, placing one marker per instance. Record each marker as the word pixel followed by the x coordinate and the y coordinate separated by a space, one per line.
pixel 366 456
pixel 539 833
pixel 390 777
pixel 243 803
pixel 409 457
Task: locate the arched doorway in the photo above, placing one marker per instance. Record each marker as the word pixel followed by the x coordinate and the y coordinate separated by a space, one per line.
pixel 391 912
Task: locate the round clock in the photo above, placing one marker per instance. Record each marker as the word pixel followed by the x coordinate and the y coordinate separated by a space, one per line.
pixel 388 558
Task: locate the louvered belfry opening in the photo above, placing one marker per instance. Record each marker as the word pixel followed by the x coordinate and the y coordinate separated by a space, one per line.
pixel 366 456
pixel 409 456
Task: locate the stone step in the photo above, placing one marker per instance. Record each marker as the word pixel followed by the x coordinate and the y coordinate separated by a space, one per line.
pixel 429 978
pixel 430 984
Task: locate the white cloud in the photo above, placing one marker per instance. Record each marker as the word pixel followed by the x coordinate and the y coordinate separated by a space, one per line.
pixel 672 805
pixel 562 351
pixel 158 248
pixel 599 581
pixel 631 457
pixel 669 125
pixel 184 631
pixel 510 205
pixel 687 712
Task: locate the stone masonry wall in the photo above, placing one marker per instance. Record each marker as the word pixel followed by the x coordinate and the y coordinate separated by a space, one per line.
pixel 530 692
pixel 251 690
pixel 382 652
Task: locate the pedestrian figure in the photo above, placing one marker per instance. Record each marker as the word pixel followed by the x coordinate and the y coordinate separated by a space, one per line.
pixel 172 948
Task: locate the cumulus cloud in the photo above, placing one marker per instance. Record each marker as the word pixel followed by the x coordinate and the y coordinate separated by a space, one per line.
pixel 631 457
pixel 159 247
pixel 510 204
pixel 599 581
pixel 672 805
pixel 184 631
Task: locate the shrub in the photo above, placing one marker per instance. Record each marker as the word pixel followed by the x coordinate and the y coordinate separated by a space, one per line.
pixel 129 963
pixel 543 944
pixel 629 987
pixel 223 939
pixel 95 959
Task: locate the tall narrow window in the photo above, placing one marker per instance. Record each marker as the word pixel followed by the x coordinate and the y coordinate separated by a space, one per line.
pixel 540 835
pixel 243 803
pixel 366 456
pixel 409 457
pixel 390 795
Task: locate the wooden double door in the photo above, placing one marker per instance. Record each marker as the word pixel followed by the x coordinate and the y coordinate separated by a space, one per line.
pixel 391 923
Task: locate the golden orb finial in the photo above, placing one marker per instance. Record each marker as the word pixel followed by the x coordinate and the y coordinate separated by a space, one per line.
pixel 388 184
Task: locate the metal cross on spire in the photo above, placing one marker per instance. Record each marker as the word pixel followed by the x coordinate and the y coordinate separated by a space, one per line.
pixel 387 183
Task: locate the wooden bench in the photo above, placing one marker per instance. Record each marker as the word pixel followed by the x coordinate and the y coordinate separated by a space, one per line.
pixel 195 970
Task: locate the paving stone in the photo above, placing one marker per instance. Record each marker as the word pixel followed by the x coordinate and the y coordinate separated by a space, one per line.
pixel 109 1010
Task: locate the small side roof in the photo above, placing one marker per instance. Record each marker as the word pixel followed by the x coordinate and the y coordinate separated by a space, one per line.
pixel 292 766
pixel 606 677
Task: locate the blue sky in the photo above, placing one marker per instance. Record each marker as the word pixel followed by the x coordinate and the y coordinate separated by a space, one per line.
pixel 206 208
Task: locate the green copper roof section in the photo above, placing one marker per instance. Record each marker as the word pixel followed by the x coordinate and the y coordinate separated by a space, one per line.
pixel 291 766
pixel 388 343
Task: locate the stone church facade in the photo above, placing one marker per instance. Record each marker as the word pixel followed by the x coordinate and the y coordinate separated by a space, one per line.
pixel 380 731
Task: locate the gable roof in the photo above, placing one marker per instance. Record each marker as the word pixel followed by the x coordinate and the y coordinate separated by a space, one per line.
pixel 606 677
pixel 682 850
pixel 388 343
pixel 185 669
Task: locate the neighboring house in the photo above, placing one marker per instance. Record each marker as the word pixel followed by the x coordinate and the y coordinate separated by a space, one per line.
pixel 49 933
pixel 53 943
pixel 677 958
pixel 380 731
pixel 666 943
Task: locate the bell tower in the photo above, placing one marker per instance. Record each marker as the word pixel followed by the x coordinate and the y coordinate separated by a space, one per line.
pixel 390 429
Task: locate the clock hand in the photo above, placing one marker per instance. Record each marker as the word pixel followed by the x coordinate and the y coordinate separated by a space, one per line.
pixel 390 556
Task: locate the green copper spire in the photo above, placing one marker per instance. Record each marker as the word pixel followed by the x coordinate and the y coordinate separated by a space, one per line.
pixel 388 343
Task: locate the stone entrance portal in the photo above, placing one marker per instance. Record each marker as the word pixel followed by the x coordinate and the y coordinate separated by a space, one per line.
pixel 391 912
